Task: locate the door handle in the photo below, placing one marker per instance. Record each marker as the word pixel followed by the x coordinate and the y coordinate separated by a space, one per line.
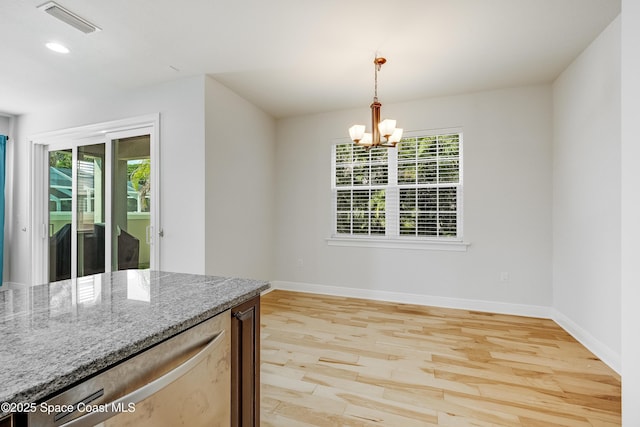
pixel 243 315
pixel 147 390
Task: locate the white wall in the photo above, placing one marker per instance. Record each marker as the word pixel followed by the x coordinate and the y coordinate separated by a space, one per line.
pixel 181 106
pixel 239 170
pixel 217 176
pixel 586 195
pixel 5 124
pixel 507 198
pixel 630 213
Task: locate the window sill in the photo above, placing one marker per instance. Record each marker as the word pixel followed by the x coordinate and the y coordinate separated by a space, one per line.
pixel 387 243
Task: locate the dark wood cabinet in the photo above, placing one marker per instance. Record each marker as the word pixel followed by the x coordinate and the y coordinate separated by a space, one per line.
pixel 245 364
pixel 17 419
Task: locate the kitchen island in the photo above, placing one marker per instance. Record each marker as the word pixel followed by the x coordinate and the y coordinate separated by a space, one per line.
pixel 56 335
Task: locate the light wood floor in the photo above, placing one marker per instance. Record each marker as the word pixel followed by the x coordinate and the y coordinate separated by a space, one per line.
pixel 331 361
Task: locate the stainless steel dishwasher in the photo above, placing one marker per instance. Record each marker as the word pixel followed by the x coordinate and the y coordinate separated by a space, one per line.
pixel 183 381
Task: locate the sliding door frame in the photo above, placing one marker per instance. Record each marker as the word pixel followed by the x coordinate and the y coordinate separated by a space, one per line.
pixel 105 133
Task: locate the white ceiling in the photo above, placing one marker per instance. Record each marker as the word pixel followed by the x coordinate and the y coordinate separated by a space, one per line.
pixel 293 57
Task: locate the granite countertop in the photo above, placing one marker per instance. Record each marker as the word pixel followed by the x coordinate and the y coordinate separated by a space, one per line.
pixel 54 335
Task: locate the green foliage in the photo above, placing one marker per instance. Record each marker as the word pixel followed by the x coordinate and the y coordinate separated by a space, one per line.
pixel 140 177
pixel 60 159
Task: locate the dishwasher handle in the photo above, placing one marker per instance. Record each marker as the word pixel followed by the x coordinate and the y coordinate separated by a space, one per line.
pixel 138 395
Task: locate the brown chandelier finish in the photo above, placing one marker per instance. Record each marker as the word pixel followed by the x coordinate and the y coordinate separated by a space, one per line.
pixel 386 128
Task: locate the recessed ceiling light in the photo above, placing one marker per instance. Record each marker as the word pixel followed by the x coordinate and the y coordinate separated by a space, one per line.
pixel 57 47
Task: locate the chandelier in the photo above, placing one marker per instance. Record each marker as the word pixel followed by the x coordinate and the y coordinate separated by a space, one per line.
pixel 386 128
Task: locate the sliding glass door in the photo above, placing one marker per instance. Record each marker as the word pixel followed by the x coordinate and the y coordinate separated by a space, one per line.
pixel 100 206
pixel 131 233
pixel 95 199
pixel 90 209
pixel 60 198
pixel 77 212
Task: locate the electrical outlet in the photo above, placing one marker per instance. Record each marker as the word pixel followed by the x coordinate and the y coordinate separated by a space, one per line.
pixel 504 276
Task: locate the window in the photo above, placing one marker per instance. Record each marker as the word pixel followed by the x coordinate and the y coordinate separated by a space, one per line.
pixel 411 193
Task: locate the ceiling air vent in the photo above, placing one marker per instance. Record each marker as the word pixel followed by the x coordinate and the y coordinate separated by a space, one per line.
pixel 68 17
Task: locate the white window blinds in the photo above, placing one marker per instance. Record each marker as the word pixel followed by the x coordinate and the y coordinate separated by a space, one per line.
pixel 414 191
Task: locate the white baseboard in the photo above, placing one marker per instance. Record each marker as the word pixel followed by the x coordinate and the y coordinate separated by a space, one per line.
pixel 428 300
pixel 603 352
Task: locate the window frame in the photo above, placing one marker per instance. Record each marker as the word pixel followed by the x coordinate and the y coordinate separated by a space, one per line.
pixel 392 237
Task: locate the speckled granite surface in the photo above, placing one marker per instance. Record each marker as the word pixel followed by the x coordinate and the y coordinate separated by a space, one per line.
pixel 54 335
